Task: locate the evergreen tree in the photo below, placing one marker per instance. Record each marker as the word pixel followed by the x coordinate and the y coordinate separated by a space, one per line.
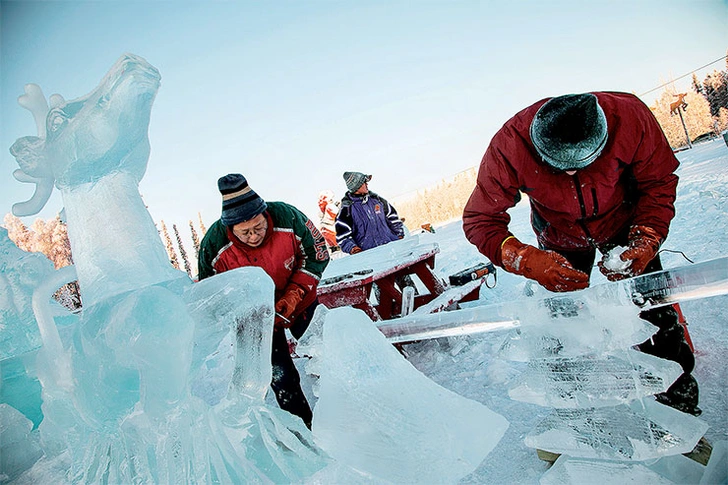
pixel 182 251
pixel 195 241
pixel 715 91
pixel 697 87
pixel 170 249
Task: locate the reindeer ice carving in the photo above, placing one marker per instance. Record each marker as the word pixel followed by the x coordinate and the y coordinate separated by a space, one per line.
pixel 124 409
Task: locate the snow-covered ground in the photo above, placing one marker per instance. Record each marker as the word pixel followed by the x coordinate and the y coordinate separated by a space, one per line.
pixel 469 365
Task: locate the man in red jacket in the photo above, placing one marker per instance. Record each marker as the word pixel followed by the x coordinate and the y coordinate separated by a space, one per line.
pixel 284 242
pixel 599 173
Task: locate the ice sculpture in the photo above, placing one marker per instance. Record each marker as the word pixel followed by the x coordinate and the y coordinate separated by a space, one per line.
pixel 117 396
pixel 159 380
pixel 379 415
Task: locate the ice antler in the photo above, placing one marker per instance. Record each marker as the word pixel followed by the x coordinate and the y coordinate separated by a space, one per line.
pixel 29 151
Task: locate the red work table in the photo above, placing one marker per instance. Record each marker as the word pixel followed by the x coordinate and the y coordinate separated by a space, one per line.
pixel 349 280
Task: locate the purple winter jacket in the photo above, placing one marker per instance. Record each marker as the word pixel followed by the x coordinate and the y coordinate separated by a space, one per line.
pixel 366 221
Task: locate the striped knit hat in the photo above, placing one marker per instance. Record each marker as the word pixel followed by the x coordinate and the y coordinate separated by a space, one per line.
pixel 354 180
pixel 240 203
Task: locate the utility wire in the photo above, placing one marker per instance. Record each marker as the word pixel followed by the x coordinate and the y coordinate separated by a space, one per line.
pixel 684 75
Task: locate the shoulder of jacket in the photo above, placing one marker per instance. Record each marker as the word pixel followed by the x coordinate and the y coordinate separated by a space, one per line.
pixel 346 201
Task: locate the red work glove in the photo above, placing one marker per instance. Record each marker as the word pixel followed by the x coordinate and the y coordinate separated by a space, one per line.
pixel 355 249
pixel 551 270
pixel 644 242
pixel 286 305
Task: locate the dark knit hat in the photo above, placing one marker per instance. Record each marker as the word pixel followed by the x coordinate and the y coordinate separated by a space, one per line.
pixel 240 203
pixel 354 180
pixel 570 131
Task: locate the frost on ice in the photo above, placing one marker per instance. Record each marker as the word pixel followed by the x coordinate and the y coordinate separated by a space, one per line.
pixel 161 380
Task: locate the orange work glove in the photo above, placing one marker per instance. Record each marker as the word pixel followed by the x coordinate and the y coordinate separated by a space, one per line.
pixel 551 270
pixel 355 249
pixel 644 242
pixel 286 305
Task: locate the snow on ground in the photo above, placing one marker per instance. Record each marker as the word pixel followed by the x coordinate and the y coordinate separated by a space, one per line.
pixel 469 366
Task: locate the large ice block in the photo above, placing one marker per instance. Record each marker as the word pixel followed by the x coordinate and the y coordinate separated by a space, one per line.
pixel 379 415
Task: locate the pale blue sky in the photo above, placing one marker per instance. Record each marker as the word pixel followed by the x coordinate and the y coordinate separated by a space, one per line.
pixel 294 93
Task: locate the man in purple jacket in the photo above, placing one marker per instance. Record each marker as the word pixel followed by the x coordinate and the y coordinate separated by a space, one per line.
pixel 366 220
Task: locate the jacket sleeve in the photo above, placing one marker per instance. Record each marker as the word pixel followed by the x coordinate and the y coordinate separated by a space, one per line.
pixel 345 229
pixel 653 167
pixel 485 220
pixel 215 238
pixel 315 255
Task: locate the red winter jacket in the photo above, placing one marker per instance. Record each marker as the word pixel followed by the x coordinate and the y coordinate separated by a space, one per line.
pixel 631 183
pixel 293 252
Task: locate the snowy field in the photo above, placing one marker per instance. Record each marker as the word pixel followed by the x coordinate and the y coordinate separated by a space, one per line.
pixel 469 366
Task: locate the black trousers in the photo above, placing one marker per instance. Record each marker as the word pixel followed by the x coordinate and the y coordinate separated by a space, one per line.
pixel 669 341
pixel 286 383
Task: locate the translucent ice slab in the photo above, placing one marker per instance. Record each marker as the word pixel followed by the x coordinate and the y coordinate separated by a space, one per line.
pixel 594 380
pixel 640 431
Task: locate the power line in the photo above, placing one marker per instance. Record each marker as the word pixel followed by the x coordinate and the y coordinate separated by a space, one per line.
pixel 684 75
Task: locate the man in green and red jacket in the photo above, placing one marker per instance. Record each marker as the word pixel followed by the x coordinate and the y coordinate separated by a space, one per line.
pixel 599 173
pixel 281 240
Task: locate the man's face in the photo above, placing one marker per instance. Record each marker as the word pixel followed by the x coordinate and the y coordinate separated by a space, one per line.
pixel 251 232
pixel 364 189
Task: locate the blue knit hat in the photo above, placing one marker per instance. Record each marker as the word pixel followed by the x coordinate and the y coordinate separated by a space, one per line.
pixel 240 203
pixel 569 132
pixel 354 180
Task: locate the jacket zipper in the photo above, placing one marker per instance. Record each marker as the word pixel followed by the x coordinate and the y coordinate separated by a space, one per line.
pixel 582 206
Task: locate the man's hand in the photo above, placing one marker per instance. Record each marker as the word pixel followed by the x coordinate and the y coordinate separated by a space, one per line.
pixel 355 249
pixel 549 269
pixel 644 242
pixel 286 305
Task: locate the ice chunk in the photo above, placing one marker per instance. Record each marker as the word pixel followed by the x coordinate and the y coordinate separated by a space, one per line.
pixel 594 380
pixel 19 449
pixel 578 470
pixel 613 262
pixel 20 274
pixel 604 329
pixel 374 404
pixel 717 469
pixel 642 430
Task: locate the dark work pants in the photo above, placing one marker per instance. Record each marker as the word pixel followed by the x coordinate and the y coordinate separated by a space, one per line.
pixel 286 383
pixel 669 341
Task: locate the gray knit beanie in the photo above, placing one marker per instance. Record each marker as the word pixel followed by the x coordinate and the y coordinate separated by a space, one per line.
pixel 354 180
pixel 240 203
pixel 569 132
